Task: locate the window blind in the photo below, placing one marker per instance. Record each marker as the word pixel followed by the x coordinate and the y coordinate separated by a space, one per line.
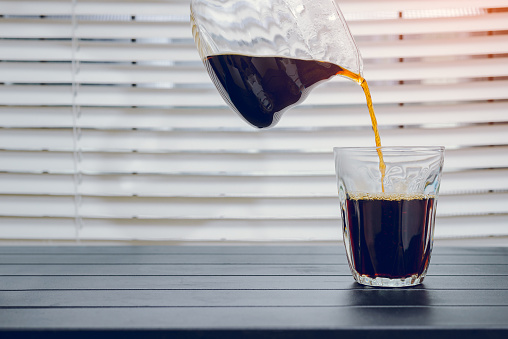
pixel 110 129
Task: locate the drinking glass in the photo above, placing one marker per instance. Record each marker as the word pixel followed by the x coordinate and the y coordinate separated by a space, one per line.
pixel 265 56
pixel 388 218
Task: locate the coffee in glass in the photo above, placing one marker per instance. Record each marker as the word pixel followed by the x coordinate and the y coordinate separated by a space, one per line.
pixel 388 221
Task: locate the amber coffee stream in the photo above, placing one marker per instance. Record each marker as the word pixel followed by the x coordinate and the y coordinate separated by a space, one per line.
pixel 262 88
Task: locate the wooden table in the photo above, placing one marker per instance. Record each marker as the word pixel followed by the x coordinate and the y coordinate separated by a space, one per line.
pixel 248 292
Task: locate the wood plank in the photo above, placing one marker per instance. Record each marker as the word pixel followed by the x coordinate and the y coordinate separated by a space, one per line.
pixel 183 249
pixel 345 282
pixel 252 298
pixel 201 259
pixel 158 333
pixel 252 318
pixel 204 259
pixel 227 249
pixel 230 270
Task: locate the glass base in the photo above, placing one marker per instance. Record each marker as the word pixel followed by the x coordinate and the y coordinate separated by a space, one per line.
pixel 389 282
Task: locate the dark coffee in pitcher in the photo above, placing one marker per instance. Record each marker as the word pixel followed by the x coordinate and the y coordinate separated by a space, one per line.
pixel 262 88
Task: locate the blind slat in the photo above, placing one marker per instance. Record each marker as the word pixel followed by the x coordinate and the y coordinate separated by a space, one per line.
pixel 402 5
pixel 48 28
pixel 209 97
pixel 146 141
pixel 224 230
pixel 261 185
pixel 224 208
pixel 55 50
pixel 84 7
pixel 324 117
pixel 22 7
pixel 22 72
pixel 181 8
pixel 54 29
pixel 489 22
pixel 267 163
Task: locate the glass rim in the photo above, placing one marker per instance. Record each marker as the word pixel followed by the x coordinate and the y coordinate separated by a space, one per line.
pixel 390 148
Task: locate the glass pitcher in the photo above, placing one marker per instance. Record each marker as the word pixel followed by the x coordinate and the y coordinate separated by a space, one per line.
pixel 265 56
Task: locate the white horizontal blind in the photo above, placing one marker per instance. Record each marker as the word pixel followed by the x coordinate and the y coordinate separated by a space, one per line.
pixel 110 128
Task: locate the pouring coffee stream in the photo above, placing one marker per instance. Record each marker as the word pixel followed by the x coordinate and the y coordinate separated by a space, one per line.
pixel 257 80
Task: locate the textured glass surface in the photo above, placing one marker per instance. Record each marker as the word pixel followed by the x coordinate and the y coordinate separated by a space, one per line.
pixel 301 29
pixel 389 228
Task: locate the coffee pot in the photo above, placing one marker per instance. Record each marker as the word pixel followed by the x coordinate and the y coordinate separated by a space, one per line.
pixel 265 56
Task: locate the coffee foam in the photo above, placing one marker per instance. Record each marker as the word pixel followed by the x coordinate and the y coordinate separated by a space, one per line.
pixel 388 196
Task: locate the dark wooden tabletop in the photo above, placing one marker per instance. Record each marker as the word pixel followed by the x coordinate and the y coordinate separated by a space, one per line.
pixel 247 292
